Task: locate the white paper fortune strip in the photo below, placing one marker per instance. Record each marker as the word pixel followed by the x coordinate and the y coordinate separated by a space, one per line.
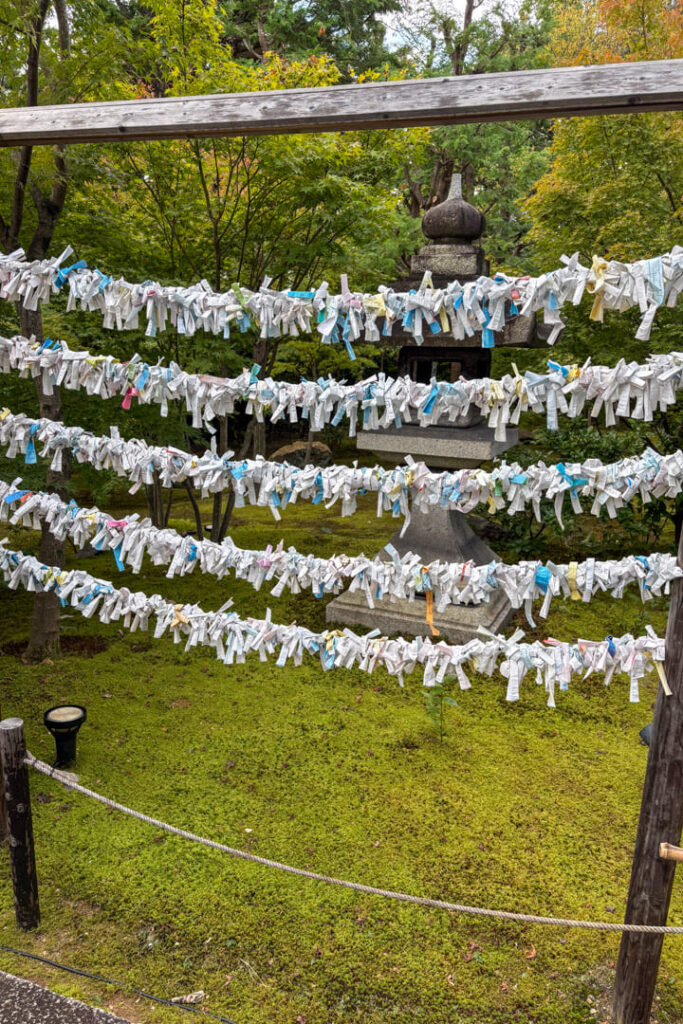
pixel 133 537
pixel 481 306
pixel 276 485
pixel 627 389
pixel 553 662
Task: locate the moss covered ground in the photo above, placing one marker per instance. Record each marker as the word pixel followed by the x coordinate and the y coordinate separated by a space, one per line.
pixel 520 807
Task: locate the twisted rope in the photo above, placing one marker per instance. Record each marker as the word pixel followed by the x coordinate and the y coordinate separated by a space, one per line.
pixel 505 915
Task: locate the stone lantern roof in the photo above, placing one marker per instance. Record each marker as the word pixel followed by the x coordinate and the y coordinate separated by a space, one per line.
pixel 454 221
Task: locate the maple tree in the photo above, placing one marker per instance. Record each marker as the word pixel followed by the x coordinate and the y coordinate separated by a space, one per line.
pixel 614 187
pixel 615 184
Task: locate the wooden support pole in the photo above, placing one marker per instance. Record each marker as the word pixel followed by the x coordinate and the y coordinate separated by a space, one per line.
pixel 4 834
pixel 661 821
pixel 19 823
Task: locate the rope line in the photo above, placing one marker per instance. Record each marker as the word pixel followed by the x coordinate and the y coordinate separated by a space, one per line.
pixel 609 926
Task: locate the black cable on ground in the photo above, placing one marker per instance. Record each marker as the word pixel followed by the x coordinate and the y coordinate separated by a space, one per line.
pixel 118 984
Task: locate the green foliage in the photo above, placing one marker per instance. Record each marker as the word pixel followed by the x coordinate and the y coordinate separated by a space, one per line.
pixel 307 357
pixel 351 32
pixel 292 209
pixel 637 528
pixel 560 226
pixel 615 184
pixel 91 70
pixel 614 188
pixel 507 158
pixel 437 698
pixel 499 162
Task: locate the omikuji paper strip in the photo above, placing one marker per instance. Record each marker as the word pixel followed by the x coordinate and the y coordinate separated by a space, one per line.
pixel 132 538
pixel 552 663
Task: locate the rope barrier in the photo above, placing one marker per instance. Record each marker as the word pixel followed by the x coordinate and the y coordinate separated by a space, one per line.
pixel 68 781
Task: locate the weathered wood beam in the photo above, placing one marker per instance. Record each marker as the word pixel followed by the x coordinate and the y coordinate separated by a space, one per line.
pixel 517 95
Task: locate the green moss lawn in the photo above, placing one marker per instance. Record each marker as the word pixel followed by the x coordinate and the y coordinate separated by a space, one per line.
pixel 520 808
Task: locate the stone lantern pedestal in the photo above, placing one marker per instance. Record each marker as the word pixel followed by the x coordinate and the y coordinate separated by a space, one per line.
pixel 434 535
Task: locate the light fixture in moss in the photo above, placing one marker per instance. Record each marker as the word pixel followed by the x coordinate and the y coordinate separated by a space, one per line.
pixel 64 721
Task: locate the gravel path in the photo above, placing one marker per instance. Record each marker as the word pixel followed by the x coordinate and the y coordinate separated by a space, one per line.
pixel 22 1002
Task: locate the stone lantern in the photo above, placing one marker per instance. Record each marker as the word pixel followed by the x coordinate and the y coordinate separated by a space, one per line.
pixel 453 229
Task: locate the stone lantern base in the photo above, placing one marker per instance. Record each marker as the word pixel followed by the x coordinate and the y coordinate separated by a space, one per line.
pixel 458 624
pixel 443 535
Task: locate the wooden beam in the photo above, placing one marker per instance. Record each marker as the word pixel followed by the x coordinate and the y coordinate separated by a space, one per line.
pixel 508 96
pixel 661 821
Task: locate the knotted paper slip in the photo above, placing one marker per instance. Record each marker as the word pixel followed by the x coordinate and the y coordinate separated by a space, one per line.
pixel 132 538
pixel 463 310
pixel 553 662
pixel 628 389
pixel 276 485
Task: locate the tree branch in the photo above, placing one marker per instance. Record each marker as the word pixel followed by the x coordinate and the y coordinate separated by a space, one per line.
pixel 50 207
pixel 669 193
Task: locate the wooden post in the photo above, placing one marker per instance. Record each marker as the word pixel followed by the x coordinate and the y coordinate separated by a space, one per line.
pixel 4 834
pixel 661 820
pixel 19 822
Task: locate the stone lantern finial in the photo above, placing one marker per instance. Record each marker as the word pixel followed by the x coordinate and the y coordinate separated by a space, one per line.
pixel 454 221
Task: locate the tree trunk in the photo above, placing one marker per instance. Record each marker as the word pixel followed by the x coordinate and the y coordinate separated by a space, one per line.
pixel 4 831
pixel 167 513
pixel 230 503
pixel 264 353
pixel 195 509
pixel 217 508
pixel 44 637
pixel 216 515
pixel 227 516
pixel 468 181
pixel 155 501
pixel 678 520
pixel 309 447
pixel 259 437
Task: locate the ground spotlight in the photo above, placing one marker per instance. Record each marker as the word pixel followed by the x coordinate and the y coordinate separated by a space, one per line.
pixel 64 721
pixel 646 734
